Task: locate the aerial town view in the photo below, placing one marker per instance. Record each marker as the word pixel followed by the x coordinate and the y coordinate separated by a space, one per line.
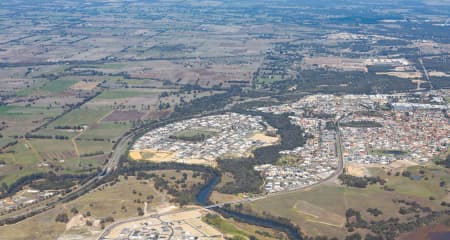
pixel 219 119
pixel 204 140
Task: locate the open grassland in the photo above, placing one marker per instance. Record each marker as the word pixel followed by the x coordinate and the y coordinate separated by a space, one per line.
pixel 43 155
pixel 47 146
pixel 269 79
pixel 21 119
pixel 88 147
pixel 60 155
pixel 33 90
pixel 20 161
pixel 321 210
pixel 427 186
pixel 81 116
pixel 120 200
pixel 85 85
pixel 312 219
pixel 57 86
pixel 106 130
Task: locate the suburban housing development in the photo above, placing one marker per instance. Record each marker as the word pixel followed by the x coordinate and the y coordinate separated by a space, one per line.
pixel 355 125
pixel 204 140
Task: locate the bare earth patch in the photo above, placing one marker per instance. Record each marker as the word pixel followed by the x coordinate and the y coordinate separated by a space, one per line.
pixel 264 138
pixel 152 155
pixel 356 170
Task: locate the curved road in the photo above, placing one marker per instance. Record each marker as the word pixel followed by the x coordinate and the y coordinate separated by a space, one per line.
pixel 111 166
pixel 122 147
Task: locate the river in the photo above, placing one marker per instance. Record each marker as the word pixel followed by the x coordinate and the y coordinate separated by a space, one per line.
pixel 203 199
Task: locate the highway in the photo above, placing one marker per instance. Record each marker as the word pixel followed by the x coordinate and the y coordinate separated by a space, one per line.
pixel 110 167
pixel 107 170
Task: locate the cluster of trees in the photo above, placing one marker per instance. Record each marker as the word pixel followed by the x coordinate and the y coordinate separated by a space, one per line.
pixel 360 182
pixel 362 124
pixel 207 103
pixel 163 106
pixel 246 179
pixel 342 82
pixel 39 136
pixel 374 211
pixel 47 181
pixel 412 207
pixel 445 162
pixel 195 137
pixel 67 127
pixel 354 219
pixel 62 218
pixel 389 229
pixel 92 154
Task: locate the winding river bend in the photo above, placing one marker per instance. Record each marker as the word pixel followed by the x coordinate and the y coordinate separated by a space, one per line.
pixel 203 199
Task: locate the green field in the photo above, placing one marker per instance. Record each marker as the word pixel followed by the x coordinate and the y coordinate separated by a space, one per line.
pixel 81 116
pixel 194 135
pixel 4 109
pixel 237 230
pixel 20 161
pixel 269 80
pixel 11 110
pixel 57 86
pixel 86 147
pixel 224 226
pixel 387 152
pixel 106 130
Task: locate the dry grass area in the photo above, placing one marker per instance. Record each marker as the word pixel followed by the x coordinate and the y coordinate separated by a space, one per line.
pixel 316 214
pixel 152 155
pixel 410 75
pixel 166 156
pixel 341 63
pixel 438 74
pixel 85 86
pixel 218 197
pixel 264 138
pixel 357 170
pixel 399 165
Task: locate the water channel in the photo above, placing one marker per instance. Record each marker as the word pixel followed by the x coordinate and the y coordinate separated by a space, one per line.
pixel 203 199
